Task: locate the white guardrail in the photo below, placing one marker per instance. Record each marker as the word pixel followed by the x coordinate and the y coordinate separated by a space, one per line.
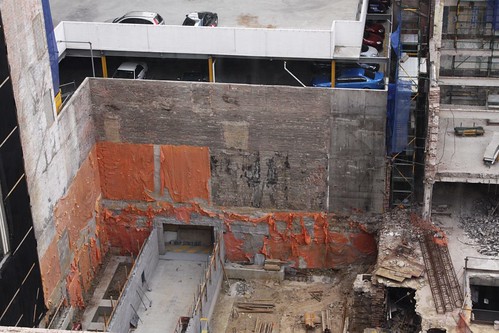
pixel 342 41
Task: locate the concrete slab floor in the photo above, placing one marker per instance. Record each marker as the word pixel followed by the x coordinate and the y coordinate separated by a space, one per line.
pixel 461 158
pixel 292 14
pixel 172 295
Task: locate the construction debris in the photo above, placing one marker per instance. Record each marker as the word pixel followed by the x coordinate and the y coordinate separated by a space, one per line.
pixel 263 327
pixel 317 295
pixel 273 264
pixel 399 266
pixel 492 151
pixel 255 307
pixel 481 226
pixel 270 267
pixel 311 320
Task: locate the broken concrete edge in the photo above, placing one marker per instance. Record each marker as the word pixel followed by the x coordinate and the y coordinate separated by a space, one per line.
pixel 244 272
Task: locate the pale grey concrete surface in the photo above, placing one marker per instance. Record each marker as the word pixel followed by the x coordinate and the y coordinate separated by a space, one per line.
pixel 52 153
pixel 136 292
pixel 468 81
pixel 173 285
pixel 292 14
pixel 236 271
pixel 460 159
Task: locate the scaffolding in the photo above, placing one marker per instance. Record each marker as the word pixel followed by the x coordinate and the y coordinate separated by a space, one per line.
pixel 470 32
pixel 407 162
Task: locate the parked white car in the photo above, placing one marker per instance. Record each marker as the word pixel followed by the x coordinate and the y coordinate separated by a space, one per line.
pixel 131 70
pixel 140 18
pixel 368 51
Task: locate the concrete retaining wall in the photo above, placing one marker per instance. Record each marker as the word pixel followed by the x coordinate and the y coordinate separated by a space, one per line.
pixel 145 264
pixel 270 147
pixel 55 146
pixel 206 300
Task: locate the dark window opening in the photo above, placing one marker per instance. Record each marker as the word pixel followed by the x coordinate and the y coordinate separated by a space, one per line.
pixel 190 239
pixel 401 311
pixel 158 18
pixel 124 75
pixel 485 303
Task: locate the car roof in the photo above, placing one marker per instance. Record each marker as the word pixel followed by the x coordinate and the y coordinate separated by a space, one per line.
pixel 140 14
pixel 130 66
pixel 353 71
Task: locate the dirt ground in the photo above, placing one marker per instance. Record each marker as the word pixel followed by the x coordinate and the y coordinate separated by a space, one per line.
pixel 305 292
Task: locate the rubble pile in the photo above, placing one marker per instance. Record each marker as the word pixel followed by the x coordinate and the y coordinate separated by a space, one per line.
pixel 481 226
pixel 240 288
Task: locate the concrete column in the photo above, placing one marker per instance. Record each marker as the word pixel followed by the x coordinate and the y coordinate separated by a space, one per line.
pixel 333 73
pixel 104 66
pixel 427 198
pixel 431 161
pixel 161 238
pixel 436 37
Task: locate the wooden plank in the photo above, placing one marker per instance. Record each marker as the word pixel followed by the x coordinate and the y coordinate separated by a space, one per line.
pixel 389 274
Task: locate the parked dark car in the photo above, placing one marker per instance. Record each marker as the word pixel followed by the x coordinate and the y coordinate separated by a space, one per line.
pixel 376 8
pixel 375 28
pixel 386 3
pixel 193 76
pixel 373 40
pixel 203 19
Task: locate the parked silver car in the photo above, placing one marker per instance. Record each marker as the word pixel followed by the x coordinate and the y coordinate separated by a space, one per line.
pixel 138 17
pixel 131 70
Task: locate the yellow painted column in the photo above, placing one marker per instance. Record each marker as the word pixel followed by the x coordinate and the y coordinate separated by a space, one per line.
pixel 104 66
pixel 58 102
pixel 210 69
pixel 333 73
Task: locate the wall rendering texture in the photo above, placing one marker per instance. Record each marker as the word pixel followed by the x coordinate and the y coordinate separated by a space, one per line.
pixel 268 165
pixel 270 147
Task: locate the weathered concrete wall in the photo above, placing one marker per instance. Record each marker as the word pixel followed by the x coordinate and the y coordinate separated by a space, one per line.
pixel 357 155
pixel 55 147
pixel 269 146
pixel 64 192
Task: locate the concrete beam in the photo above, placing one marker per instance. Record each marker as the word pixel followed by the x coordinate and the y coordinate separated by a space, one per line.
pixel 468 81
pixel 6 329
pixel 466 52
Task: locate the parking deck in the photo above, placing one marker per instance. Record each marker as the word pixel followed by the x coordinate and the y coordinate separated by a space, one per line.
pixel 282 14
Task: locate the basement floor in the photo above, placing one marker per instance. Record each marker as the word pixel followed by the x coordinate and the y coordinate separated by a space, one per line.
pixel 292 298
pixel 172 292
